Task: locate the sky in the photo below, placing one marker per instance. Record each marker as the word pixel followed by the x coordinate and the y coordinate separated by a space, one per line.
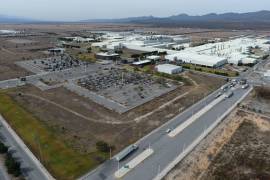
pixel 72 10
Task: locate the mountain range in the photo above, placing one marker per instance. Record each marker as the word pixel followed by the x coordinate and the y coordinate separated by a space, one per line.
pixel 14 19
pixel 250 20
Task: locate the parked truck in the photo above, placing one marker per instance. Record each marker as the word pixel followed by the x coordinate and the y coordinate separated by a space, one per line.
pixel 127 151
pixel 224 87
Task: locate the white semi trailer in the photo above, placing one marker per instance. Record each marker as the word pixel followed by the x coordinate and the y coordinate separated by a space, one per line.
pixel 126 152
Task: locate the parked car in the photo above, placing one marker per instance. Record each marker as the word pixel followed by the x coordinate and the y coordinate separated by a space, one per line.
pixel 168 130
pixel 218 95
pixel 245 86
pixel 229 94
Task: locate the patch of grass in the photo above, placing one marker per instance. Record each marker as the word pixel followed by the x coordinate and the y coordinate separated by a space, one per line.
pixel 211 70
pixel 62 161
pixel 87 57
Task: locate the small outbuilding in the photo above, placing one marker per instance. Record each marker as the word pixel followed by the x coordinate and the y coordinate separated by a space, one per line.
pixel 56 51
pixel 153 58
pixel 107 56
pixel 141 63
pixel 169 69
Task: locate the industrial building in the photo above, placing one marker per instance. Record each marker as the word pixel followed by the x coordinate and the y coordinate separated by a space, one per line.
pixel 153 58
pixel 142 63
pixel 267 74
pixel 56 51
pixel 235 51
pixel 107 56
pixel 169 68
pixel 197 59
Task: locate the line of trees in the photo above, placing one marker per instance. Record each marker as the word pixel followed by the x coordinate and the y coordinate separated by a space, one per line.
pixel 12 165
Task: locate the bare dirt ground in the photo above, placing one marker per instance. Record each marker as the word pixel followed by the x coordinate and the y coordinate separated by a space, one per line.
pixel 18 49
pixel 74 28
pixel 247 155
pixel 237 149
pixel 81 122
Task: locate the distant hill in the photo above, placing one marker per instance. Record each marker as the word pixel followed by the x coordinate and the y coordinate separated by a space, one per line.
pixel 13 19
pixel 251 20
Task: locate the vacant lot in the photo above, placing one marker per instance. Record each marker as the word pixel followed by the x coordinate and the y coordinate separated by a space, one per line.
pixel 57 156
pixel 19 49
pixel 68 126
pixel 247 155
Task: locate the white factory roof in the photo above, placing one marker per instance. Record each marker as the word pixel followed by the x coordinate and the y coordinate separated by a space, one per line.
pixel 216 54
pixel 167 67
pixel 4 31
pixel 141 62
pixel 249 60
pixel 107 54
pixel 193 58
pixel 153 57
pixel 267 73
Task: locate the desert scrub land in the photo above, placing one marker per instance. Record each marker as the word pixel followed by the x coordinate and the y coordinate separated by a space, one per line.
pixel 247 155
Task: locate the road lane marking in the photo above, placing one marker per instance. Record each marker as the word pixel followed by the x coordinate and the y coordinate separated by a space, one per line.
pixel 133 163
pixel 196 116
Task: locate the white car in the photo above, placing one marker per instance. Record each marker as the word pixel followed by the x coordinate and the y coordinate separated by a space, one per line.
pixel 245 86
pixel 218 95
pixel 168 130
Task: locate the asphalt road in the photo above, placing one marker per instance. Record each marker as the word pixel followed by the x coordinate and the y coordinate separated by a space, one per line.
pixel 3 174
pixel 166 149
pixel 29 168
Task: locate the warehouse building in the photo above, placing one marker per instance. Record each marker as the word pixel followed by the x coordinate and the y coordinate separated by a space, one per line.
pixel 56 51
pixel 169 69
pixel 197 59
pixel 107 56
pixel 153 58
pixel 142 63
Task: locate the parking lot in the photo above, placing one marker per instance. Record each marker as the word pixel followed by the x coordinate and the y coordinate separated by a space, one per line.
pixel 129 89
pixel 52 64
pixel 108 85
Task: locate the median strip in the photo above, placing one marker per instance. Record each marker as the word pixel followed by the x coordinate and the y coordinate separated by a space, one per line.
pixel 133 163
pixel 196 116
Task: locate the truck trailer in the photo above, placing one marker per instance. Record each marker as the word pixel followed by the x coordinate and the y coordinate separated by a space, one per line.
pixel 127 151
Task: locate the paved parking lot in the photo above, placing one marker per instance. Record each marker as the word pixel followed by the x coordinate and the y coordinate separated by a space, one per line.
pixel 125 89
pixel 52 64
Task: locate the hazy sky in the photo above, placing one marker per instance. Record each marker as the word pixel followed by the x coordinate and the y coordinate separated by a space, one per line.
pixel 92 9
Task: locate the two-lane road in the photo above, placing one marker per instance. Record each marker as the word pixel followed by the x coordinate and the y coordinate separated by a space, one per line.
pixel 167 149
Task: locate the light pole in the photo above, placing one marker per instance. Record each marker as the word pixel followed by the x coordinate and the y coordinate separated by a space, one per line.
pixel 110 153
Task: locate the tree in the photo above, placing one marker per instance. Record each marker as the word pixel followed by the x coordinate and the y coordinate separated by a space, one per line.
pixel 3 148
pixel 103 146
pixel 89 50
pixel 12 165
